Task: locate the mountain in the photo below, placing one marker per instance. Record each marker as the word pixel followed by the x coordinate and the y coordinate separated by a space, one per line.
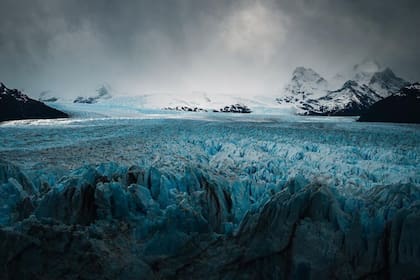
pixel 402 107
pixel 45 96
pixel 102 93
pixel 350 100
pixel 235 108
pixel 385 83
pixel 305 84
pixel 14 105
pixel 311 94
pixel 362 72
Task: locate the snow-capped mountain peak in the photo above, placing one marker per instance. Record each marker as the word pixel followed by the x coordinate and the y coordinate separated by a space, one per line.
pixel 309 93
pixel 103 93
pixel 350 84
pixel 351 99
pixel 306 73
pixel 14 93
pixel 409 89
pixel 351 90
pixel 386 83
pixel 306 76
pixel 363 72
pixel 415 86
pixel 367 66
pixel 305 84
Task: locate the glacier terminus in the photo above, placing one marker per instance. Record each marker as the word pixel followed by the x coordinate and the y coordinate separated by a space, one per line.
pixel 222 197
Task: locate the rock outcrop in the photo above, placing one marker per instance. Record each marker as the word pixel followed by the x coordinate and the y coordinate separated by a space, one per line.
pixel 103 93
pixel 15 105
pixel 402 107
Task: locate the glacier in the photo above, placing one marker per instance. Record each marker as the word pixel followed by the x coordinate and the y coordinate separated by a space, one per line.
pixel 209 196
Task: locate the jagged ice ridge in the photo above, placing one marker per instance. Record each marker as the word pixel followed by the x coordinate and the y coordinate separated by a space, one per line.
pixel 219 200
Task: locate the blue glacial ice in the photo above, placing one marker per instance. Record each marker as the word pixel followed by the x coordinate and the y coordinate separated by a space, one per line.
pixel 210 198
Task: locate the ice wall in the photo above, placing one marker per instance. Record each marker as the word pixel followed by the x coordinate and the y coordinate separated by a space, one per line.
pixel 141 222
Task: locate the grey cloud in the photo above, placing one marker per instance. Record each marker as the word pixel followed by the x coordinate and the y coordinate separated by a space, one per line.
pixel 71 47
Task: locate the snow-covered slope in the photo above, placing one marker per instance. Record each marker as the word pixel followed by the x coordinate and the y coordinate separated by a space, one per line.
pixel 350 100
pixel 156 103
pixel 195 99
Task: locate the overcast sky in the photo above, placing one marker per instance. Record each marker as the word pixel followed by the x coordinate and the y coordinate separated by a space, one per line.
pixel 71 47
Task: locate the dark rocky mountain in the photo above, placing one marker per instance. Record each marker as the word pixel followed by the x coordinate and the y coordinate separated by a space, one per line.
pixel 15 105
pixel 402 107
pixel 185 109
pixel 49 99
pixel 46 97
pixel 236 108
pixel 102 93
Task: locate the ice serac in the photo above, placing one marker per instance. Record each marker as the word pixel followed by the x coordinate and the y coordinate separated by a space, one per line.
pixel 402 107
pixel 17 194
pixel 15 105
pixel 147 223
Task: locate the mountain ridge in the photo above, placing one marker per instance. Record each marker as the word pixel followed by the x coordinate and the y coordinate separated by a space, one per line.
pixel 15 105
pixel 370 83
pixel 401 107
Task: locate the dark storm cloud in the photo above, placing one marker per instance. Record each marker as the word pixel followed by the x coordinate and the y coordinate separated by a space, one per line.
pixel 71 47
pixel 345 30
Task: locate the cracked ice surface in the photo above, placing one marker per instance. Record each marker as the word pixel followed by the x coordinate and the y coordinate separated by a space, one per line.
pixel 224 197
pixel 267 153
pixel 255 158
